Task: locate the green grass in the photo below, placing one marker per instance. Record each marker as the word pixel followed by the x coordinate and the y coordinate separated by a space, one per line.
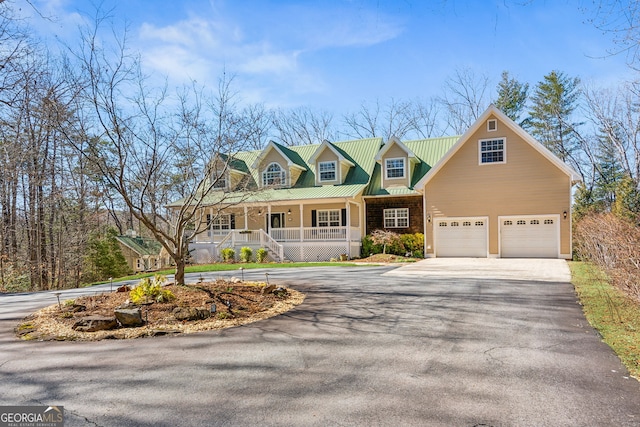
pixel 615 315
pixel 207 268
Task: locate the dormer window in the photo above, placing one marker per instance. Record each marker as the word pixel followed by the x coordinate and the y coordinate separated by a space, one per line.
pixel 221 183
pixel 394 168
pixel 327 171
pixel 273 175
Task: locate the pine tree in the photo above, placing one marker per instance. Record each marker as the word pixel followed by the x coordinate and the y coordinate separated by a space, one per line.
pixel 512 97
pixel 553 103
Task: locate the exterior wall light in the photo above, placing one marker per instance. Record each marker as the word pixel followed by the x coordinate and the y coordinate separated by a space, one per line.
pixel 564 214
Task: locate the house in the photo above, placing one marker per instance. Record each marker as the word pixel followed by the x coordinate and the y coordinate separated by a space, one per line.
pixel 142 253
pixel 493 192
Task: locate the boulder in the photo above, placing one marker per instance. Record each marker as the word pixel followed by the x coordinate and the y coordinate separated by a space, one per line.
pixel 191 313
pixel 280 292
pixel 129 317
pixel 123 288
pixel 95 323
pixel 268 289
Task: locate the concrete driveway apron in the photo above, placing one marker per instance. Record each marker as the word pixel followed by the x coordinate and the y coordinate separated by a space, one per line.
pixel 459 342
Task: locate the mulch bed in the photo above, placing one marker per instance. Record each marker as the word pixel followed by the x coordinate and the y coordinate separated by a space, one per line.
pixel 236 302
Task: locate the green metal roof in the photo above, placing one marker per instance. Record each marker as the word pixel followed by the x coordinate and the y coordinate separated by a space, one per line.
pixel 360 152
pixel 141 245
pixel 428 151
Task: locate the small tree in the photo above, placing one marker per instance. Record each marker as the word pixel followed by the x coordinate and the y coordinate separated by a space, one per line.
pixel 385 238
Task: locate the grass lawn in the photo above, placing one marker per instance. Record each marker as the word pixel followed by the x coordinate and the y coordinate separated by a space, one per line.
pixel 611 312
pixel 206 268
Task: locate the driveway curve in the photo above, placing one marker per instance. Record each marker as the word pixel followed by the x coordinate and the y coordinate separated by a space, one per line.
pixel 441 342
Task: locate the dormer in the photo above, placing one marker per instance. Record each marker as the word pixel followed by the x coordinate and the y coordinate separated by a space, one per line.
pixel 228 174
pixel 278 166
pixel 396 163
pixel 331 164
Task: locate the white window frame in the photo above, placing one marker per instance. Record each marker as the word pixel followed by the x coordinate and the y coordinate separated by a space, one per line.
pixel 221 222
pixel 395 218
pixel 334 170
pixel 492 125
pixel 503 150
pixel 221 183
pixel 387 169
pixel 329 218
pixel 274 178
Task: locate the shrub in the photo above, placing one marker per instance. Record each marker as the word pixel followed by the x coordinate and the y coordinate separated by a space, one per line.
pixel 151 290
pixel 396 244
pixel 413 243
pixel 245 254
pixel 261 255
pixel 369 248
pixel 612 244
pixel 390 241
pixel 228 255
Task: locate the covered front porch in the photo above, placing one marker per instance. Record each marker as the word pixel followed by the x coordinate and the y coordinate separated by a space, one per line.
pixel 296 232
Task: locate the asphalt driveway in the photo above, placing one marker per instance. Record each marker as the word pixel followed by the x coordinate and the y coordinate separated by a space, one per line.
pixel 443 342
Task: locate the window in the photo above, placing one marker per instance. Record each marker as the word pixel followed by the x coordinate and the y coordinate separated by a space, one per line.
pixel 273 175
pixel 492 151
pixel 521 222
pixel 534 222
pixel 479 223
pixel 222 222
pixel 396 218
pixel 394 168
pixel 442 224
pixel 327 171
pixel 466 224
pixel 548 221
pixel 221 183
pixel 329 218
pixel 492 125
pixel 508 222
pixel 455 224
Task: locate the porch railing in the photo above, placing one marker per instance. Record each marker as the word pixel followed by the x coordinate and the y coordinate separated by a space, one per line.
pixel 311 234
pixel 251 237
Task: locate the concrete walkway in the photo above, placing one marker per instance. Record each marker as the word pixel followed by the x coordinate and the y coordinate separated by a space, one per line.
pixel 369 346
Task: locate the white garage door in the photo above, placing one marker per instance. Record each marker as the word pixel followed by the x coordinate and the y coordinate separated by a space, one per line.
pixel 529 237
pixel 461 237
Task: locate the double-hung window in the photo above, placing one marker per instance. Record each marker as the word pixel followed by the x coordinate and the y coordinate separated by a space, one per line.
pixel 396 218
pixel 327 171
pixel 222 222
pixel 394 168
pixel 492 151
pixel 329 218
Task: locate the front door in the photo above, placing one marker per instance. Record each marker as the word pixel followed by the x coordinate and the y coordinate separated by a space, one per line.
pixel 275 220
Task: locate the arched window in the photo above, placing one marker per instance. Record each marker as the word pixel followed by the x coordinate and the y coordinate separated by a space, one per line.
pixel 273 175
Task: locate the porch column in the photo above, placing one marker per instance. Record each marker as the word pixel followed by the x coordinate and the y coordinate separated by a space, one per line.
pixel 301 223
pixel 348 224
pixel 212 238
pixel 268 224
pixel 246 218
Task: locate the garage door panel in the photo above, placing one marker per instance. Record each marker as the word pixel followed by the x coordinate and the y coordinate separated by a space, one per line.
pixel 461 237
pixel 529 237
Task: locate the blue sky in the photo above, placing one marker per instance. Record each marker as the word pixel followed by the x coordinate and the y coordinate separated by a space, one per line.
pixel 337 54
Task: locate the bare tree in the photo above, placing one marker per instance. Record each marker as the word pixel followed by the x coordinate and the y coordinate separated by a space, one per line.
pixel 303 125
pixel 621 20
pixel 143 143
pixel 464 99
pixel 394 119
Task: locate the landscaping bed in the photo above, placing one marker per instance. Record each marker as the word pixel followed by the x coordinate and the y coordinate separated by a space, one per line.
pixel 215 305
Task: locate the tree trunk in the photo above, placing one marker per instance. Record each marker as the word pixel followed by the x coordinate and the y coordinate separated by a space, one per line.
pixel 179 275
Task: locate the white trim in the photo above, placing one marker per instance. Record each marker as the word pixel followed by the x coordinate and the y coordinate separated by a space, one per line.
pixel 272 146
pixel 504 151
pixel 493 122
pixel 404 168
pixel 283 176
pixel 492 109
pixel 395 217
pixel 393 140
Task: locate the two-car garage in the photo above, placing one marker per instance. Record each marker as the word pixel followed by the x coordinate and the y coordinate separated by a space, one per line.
pixel 527 236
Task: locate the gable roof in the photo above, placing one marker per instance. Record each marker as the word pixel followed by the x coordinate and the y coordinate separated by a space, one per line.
pixel 493 110
pixel 427 152
pixel 293 159
pixel 342 156
pixel 141 245
pixel 395 141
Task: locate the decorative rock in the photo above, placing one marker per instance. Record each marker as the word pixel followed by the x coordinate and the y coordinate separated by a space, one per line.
pixel 75 308
pixel 95 323
pixel 280 292
pixel 182 313
pixel 123 288
pixel 268 289
pixel 129 317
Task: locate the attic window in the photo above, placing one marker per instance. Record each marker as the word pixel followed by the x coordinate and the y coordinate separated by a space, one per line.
pixel 221 182
pixel 273 176
pixel 327 171
pixel 394 168
pixel 492 125
pixel 492 151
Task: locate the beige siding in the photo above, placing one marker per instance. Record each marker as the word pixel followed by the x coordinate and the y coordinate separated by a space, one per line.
pixel 395 152
pixel 527 184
